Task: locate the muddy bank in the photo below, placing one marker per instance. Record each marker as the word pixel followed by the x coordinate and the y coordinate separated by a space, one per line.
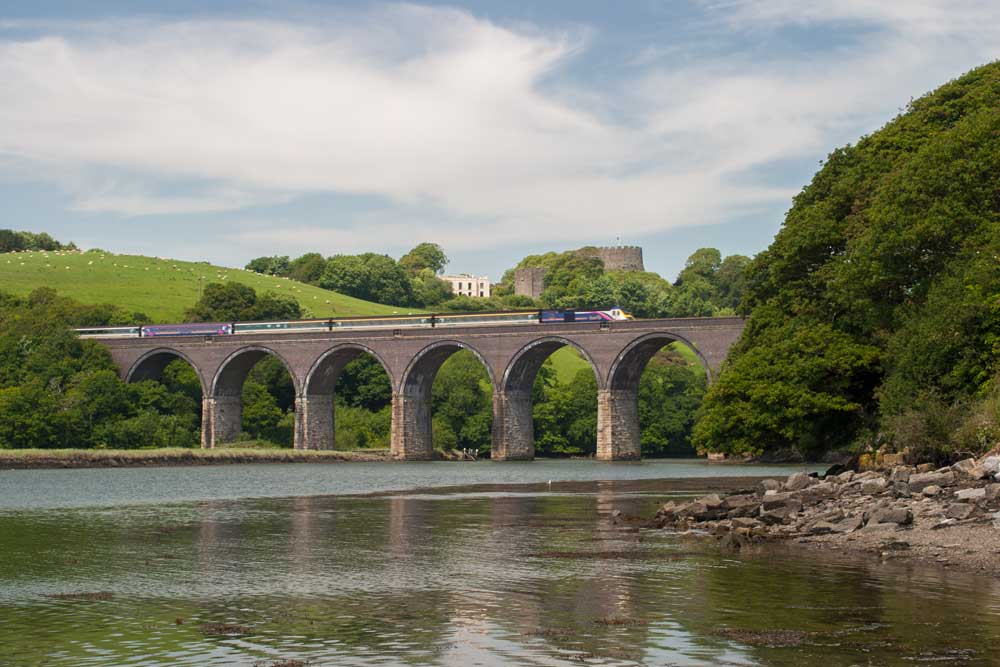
pixel 86 458
pixel 948 516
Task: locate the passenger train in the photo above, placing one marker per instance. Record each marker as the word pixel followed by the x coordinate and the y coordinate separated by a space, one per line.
pixel 353 323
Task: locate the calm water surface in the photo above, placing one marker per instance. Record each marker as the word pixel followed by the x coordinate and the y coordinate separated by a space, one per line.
pixel 309 569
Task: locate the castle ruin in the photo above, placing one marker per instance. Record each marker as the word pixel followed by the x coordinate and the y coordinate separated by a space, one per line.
pixel 531 281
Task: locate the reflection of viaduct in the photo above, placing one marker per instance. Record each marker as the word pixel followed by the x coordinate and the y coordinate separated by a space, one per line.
pixel 512 355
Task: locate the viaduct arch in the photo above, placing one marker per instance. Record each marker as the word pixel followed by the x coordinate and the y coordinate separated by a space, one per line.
pixel 512 355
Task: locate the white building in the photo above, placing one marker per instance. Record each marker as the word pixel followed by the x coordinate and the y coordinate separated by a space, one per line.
pixel 467 285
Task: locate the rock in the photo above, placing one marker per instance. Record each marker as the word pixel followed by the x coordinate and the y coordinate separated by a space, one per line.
pixel 745 522
pixel 667 510
pixel 960 511
pixel 971 494
pixel 894 459
pixel 900 474
pixel 880 527
pixel 739 501
pixel 822 528
pixel 901 490
pixel 964 466
pixel 850 524
pixel 898 516
pixel 798 481
pixel 946 523
pixel 769 485
pixel 922 480
pixel 776 516
pixel 780 501
pixel 991 465
pixel 930 491
pixel 845 477
pixel 925 467
pixel 870 487
pixel 996 519
pixel 992 491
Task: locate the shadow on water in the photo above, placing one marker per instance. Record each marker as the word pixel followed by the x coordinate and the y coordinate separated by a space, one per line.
pixel 474 576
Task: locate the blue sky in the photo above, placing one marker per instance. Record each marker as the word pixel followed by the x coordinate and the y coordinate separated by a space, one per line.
pixel 227 130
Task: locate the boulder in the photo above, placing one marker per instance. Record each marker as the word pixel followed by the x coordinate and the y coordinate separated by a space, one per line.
pixel 845 477
pixel 781 501
pixel 960 511
pixel 964 466
pixel 969 495
pixel 925 467
pixel 745 522
pixel 930 491
pixel 920 481
pixel 991 465
pixel 776 516
pixel 901 490
pixel 992 491
pixel 798 481
pixel 870 487
pixel 769 485
pixel 900 474
pixel 898 516
pixel 816 493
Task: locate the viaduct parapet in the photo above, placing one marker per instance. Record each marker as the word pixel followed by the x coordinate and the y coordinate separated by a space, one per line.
pixel 512 355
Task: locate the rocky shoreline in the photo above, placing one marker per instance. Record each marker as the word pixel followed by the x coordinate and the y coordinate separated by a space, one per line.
pixel 949 516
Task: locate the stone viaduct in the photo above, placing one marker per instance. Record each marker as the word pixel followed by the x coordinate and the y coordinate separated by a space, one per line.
pixel 512 355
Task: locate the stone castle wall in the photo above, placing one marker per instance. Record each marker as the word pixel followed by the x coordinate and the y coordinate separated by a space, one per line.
pixel 621 258
pixel 529 282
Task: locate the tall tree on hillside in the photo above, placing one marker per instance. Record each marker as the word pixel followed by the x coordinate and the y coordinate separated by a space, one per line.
pixel 424 256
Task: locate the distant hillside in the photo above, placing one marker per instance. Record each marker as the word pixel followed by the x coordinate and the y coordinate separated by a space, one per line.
pixel 161 288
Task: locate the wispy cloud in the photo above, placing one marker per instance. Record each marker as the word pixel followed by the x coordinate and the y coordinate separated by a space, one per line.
pixel 438 110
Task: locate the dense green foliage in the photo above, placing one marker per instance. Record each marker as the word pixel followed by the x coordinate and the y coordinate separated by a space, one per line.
pixel 232 301
pixel 14 241
pixel 875 310
pixel 707 286
pixel 58 391
pixel 411 281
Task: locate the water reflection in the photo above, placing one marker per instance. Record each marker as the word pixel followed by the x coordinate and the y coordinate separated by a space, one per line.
pixel 458 579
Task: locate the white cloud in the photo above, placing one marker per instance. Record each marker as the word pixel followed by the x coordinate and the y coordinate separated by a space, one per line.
pixel 436 109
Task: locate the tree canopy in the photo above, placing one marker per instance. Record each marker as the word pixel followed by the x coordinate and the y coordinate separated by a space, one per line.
pixel 879 294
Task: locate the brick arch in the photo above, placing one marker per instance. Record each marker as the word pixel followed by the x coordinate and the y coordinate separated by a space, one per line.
pixel 513 423
pixel 151 364
pixel 412 437
pixel 322 375
pixel 233 371
pixel 523 367
pixel 423 367
pixel 628 365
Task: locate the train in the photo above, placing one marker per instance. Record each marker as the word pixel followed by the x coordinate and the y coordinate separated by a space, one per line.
pixel 352 323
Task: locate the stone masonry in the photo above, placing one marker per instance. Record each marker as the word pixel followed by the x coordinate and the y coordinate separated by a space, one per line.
pixel 511 354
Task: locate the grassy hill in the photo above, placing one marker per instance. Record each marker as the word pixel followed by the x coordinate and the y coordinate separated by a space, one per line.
pixel 161 288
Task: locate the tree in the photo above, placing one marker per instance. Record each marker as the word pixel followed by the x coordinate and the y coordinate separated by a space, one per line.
pixel 272 266
pixel 368 276
pixel 232 302
pixel 307 269
pixel 424 256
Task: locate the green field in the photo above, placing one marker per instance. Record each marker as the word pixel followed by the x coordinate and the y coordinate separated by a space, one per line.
pixel 161 288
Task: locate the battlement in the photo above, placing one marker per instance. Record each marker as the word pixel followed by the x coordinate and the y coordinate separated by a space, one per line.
pixel 620 258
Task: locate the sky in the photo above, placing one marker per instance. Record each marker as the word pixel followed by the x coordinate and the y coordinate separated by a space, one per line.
pixel 220 130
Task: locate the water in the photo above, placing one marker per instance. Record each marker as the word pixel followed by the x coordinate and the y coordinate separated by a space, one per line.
pixel 459 575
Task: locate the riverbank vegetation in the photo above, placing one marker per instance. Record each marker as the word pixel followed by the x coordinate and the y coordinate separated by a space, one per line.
pixel 875 313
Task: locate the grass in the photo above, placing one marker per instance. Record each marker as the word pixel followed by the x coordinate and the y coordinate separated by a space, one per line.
pixel 566 361
pixel 161 288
